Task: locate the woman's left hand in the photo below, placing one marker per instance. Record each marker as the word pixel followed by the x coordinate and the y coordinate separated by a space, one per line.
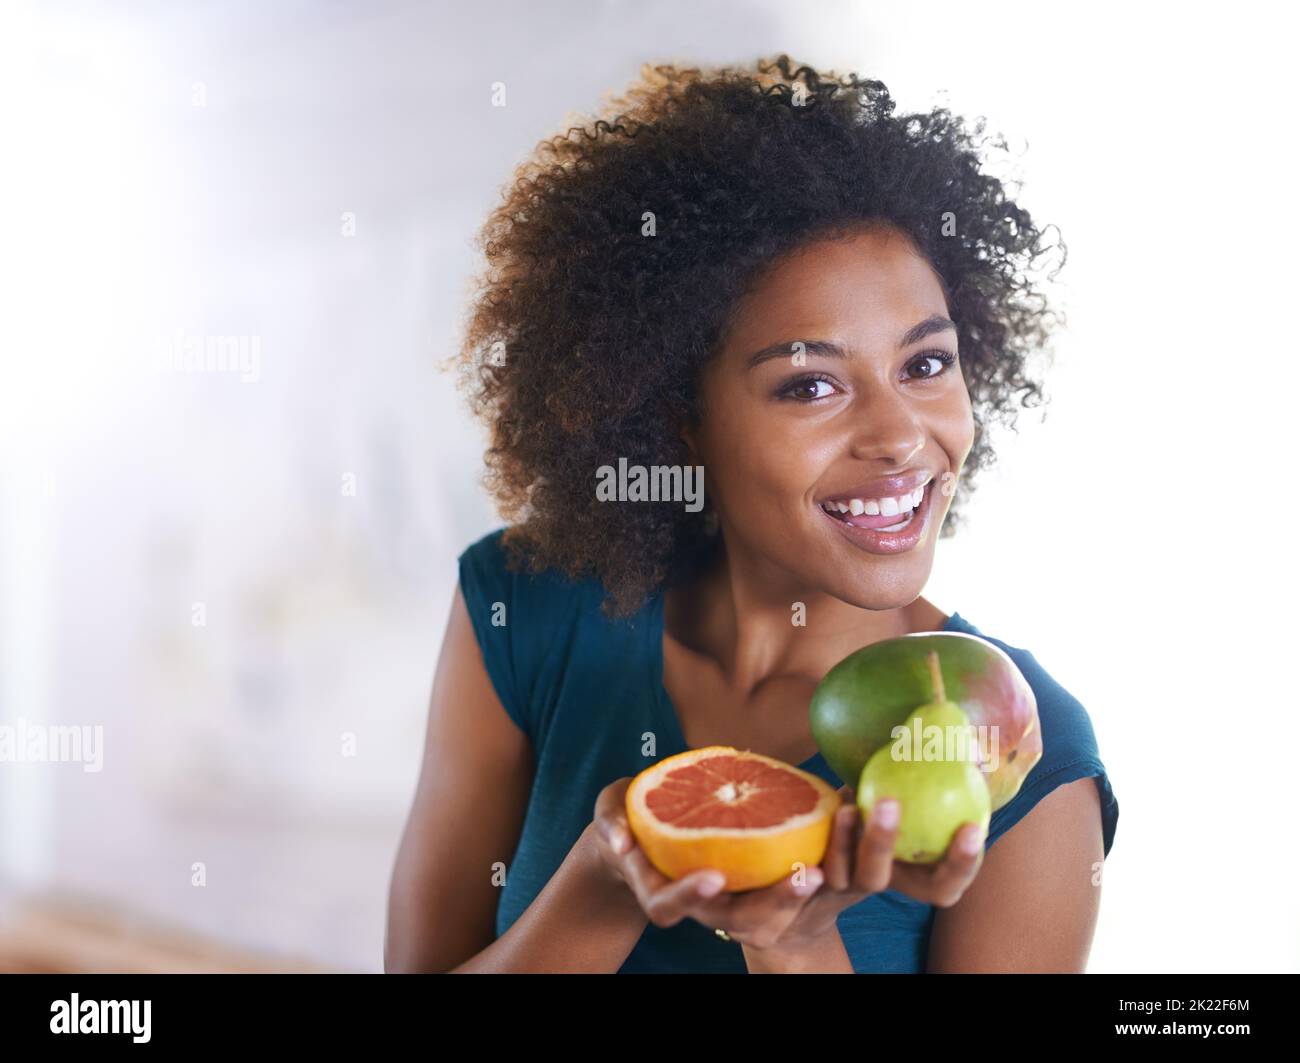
pixel 859 861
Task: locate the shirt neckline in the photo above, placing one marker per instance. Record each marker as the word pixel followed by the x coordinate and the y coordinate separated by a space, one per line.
pixel 668 711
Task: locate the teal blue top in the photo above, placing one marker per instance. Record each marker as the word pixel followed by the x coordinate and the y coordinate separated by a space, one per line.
pixel 588 692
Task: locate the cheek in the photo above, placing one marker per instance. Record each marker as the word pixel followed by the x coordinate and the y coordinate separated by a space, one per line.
pixel 754 459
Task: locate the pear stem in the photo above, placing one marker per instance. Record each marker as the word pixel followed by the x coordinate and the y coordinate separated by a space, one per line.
pixel 936 676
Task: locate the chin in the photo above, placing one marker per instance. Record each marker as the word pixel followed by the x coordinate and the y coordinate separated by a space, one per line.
pixel 875 600
pixel 878 591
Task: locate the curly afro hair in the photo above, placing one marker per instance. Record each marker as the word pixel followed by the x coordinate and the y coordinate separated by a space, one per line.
pixel 585 337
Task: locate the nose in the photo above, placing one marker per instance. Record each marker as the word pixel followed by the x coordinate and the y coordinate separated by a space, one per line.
pixel 889 430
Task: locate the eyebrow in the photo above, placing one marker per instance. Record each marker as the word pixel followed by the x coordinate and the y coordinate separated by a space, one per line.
pixel 829 349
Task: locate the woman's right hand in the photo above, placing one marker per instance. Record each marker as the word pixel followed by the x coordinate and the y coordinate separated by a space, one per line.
pixel 624 863
pixel 757 916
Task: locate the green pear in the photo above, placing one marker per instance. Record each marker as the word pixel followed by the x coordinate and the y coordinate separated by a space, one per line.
pixel 932 770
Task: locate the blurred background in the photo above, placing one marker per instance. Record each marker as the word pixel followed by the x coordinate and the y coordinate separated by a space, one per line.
pixel 231 585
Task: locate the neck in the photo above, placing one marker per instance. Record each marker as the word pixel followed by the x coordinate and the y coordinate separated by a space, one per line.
pixel 740 611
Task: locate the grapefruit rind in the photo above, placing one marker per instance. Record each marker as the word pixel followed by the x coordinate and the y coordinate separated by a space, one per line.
pixel 750 858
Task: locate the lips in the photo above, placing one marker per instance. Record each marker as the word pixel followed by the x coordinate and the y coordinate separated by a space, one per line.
pixel 865 532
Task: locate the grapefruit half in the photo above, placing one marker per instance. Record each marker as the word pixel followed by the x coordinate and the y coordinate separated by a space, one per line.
pixel 749 816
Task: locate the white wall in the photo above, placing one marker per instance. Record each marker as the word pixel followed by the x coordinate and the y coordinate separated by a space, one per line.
pixel 183 170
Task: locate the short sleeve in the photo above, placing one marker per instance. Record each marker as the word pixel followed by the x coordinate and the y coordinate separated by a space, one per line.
pixel 491 597
pixel 1069 753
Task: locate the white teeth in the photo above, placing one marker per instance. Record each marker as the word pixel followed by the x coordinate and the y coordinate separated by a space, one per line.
pixel 879 507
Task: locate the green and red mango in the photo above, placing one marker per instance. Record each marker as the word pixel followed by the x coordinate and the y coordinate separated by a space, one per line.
pixel 874 689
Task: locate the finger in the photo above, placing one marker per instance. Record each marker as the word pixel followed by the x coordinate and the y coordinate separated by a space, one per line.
pixel 666 901
pixel 760 916
pixel 941 884
pixel 957 870
pixel 670 901
pixel 641 875
pixel 838 861
pixel 874 861
pixel 610 815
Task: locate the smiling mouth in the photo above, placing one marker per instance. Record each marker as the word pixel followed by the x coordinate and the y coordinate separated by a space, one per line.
pixel 905 510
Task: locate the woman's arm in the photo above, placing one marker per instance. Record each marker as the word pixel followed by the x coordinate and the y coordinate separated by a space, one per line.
pixel 467 815
pixel 1033 906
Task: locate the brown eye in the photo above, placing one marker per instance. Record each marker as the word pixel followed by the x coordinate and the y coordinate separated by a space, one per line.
pixel 807 389
pixel 945 359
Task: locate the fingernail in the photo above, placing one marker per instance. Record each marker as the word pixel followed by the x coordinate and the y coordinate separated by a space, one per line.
pixel 887 814
pixel 972 842
pixel 617 839
pixel 809 884
pixel 710 884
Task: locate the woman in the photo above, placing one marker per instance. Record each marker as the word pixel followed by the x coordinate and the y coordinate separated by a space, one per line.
pixel 768 275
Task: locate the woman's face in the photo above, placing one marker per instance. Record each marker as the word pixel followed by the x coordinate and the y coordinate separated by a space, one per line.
pixel 829 389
